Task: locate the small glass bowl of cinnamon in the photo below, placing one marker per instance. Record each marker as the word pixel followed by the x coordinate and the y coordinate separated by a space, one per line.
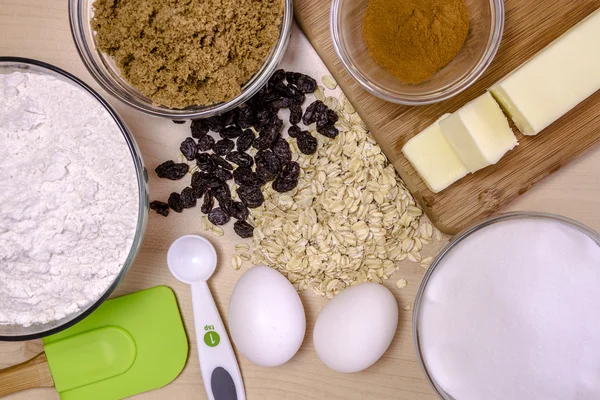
pixel 368 55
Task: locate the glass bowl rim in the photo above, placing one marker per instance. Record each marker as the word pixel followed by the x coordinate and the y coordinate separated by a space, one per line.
pixel 458 238
pixel 451 90
pixel 250 88
pixel 142 197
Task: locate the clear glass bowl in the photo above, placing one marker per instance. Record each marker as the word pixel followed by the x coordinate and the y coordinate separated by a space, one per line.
pixel 107 74
pixel 485 33
pixel 18 332
pixel 456 240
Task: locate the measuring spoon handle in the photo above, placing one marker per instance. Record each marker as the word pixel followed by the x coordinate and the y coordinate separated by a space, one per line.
pixel 220 369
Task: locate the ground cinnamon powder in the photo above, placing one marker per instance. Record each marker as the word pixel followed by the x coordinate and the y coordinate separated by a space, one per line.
pixel 414 39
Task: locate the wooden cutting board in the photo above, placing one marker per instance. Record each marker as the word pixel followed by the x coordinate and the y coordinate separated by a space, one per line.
pixel 530 26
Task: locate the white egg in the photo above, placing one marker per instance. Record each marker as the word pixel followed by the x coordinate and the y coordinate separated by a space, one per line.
pixel 356 328
pixel 266 317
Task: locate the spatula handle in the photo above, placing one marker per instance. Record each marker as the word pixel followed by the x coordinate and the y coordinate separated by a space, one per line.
pixel 34 373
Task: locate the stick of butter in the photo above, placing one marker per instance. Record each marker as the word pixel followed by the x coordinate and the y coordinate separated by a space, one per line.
pixel 479 133
pixel 434 158
pixel 555 80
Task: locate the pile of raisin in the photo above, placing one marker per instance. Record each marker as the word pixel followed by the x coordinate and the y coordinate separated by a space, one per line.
pixel 225 159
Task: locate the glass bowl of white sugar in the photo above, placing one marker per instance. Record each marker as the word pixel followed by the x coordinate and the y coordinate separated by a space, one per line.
pixel 74 199
pixel 510 310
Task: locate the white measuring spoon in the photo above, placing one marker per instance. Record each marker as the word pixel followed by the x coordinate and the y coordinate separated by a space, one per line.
pixel 193 259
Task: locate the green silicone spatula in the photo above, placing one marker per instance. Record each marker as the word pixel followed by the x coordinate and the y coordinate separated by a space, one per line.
pixel 129 345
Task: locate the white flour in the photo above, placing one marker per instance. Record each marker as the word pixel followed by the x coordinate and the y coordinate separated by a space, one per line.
pixel 68 199
pixel 512 313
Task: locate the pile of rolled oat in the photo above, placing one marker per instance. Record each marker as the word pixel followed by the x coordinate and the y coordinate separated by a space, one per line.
pixel 349 220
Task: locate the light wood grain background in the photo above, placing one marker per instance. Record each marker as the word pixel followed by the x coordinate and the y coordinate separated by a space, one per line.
pixel 530 26
pixel 39 29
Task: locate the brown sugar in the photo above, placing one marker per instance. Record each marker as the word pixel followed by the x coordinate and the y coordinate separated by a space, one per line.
pixel 414 39
pixel 182 53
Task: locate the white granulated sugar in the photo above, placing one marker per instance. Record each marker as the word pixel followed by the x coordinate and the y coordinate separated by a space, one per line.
pixel 513 312
pixel 68 199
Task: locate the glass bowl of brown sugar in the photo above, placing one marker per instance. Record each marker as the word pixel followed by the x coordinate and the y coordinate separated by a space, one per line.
pixel 417 52
pixel 159 21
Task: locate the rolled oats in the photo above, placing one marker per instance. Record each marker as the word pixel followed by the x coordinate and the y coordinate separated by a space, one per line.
pixel 350 220
pixel 236 262
pixel 402 283
pixel 242 247
pixel 329 82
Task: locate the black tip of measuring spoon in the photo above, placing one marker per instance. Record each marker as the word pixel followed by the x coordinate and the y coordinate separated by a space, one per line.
pixel 222 384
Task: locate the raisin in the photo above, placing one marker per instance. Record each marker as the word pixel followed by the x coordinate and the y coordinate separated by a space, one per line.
pixel 332 116
pixel 175 202
pixel 244 141
pixel 231 132
pixel 288 179
pixel 189 149
pixel 243 229
pixel 268 165
pixel 221 162
pixel 198 180
pixel 321 117
pixel 198 128
pixel 199 185
pixel 266 139
pixel 208 166
pixel 294 131
pixel 295 114
pixel 206 143
pixel 172 171
pixel 284 102
pixel 282 149
pixel 296 95
pixel 223 147
pixel 310 115
pixel 223 174
pixel 208 203
pixel 230 117
pixel 212 181
pixel 262 118
pixel 292 77
pixel 329 131
pixel 307 144
pixel 200 191
pixel 218 217
pixel 306 84
pixel 226 206
pixel 241 159
pixel 245 117
pixel 238 210
pixel 275 125
pixel 205 162
pixel 278 76
pixel 188 198
pixel 244 176
pixel 222 193
pixel 252 197
pixel 215 124
pixel 275 90
pixel 258 98
pixel 160 207
pixel 178 122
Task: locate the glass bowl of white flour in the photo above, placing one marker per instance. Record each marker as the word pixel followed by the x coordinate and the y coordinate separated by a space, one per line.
pixel 510 310
pixel 74 199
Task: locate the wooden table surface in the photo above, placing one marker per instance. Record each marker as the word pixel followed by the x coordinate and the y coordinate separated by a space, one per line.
pixel 40 29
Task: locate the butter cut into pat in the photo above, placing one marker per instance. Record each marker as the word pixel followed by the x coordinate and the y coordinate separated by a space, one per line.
pixel 434 158
pixel 479 133
pixel 555 80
